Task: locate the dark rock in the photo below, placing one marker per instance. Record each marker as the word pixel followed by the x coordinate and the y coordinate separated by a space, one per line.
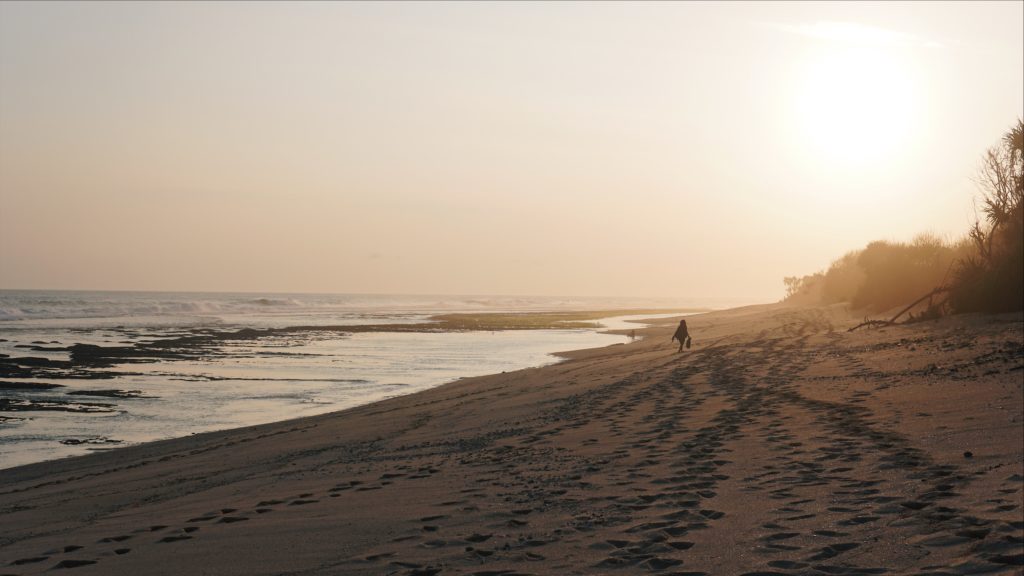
pixel 27 386
pixel 20 405
pixel 107 393
pixel 93 440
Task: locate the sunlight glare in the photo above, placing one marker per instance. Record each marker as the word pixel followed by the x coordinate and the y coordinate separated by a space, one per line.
pixel 856 104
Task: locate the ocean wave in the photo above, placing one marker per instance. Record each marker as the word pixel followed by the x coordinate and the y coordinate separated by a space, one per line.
pixel 270 302
pixel 32 306
pixel 163 308
pixel 11 313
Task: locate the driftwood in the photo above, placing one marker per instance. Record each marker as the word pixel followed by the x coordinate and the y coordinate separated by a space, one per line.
pixel 867 322
pixel 892 320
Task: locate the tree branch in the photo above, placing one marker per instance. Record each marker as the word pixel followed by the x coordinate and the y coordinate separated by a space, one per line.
pixel 892 320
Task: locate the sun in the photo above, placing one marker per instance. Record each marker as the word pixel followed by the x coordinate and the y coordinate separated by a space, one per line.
pixel 855 104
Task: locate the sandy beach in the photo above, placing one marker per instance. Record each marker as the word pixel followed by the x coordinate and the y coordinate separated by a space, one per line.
pixel 779 444
pixel 393 288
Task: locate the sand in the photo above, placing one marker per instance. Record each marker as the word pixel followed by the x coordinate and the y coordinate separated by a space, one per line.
pixel 778 444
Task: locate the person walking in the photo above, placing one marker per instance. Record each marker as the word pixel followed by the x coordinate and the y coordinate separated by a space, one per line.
pixel 683 335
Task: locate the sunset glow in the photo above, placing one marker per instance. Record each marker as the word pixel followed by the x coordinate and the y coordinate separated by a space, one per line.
pixel 486 148
pixel 858 104
pixel 436 288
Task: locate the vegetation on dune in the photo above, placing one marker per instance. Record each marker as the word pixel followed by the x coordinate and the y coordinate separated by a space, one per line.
pixel 992 278
pixel 983 272
pixel 882 275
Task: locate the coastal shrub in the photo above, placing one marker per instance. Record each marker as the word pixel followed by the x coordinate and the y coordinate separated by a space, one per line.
pixel 843 279
pixel 884 274
pixel 992 278
pixel 983 272
pixel 896 273
pixel 838 284
pixel 804 290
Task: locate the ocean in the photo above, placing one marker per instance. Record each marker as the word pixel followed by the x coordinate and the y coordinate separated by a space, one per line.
pixel 171 378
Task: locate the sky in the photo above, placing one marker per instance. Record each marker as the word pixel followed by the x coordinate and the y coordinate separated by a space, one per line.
pixel 577 149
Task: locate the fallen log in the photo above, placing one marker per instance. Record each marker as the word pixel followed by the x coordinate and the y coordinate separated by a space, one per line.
pixel 892 321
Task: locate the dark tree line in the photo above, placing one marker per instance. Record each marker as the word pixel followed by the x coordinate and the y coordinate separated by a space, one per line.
pixel 992 278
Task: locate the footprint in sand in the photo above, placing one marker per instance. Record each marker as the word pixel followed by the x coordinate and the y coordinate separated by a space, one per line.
pixel 833 550
pixel 32 560
pixel 183 535
pixel 787 564
pixel 232 519
pixel 73 563
pixel 201 519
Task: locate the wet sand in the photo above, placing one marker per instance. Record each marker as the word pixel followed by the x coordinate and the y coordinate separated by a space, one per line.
pixel 779 444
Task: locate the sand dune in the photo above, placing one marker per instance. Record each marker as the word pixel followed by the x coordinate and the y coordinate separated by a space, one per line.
pixel 779 444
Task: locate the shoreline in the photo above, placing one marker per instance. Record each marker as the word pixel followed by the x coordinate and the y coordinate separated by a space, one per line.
pixel 545 469
pixel 158 445
pixel 96 380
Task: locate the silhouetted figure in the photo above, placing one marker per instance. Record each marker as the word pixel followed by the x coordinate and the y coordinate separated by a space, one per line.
pixel 632 335
pixel 683 335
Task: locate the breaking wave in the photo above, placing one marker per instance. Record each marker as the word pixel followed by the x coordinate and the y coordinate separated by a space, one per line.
pixel 144 308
